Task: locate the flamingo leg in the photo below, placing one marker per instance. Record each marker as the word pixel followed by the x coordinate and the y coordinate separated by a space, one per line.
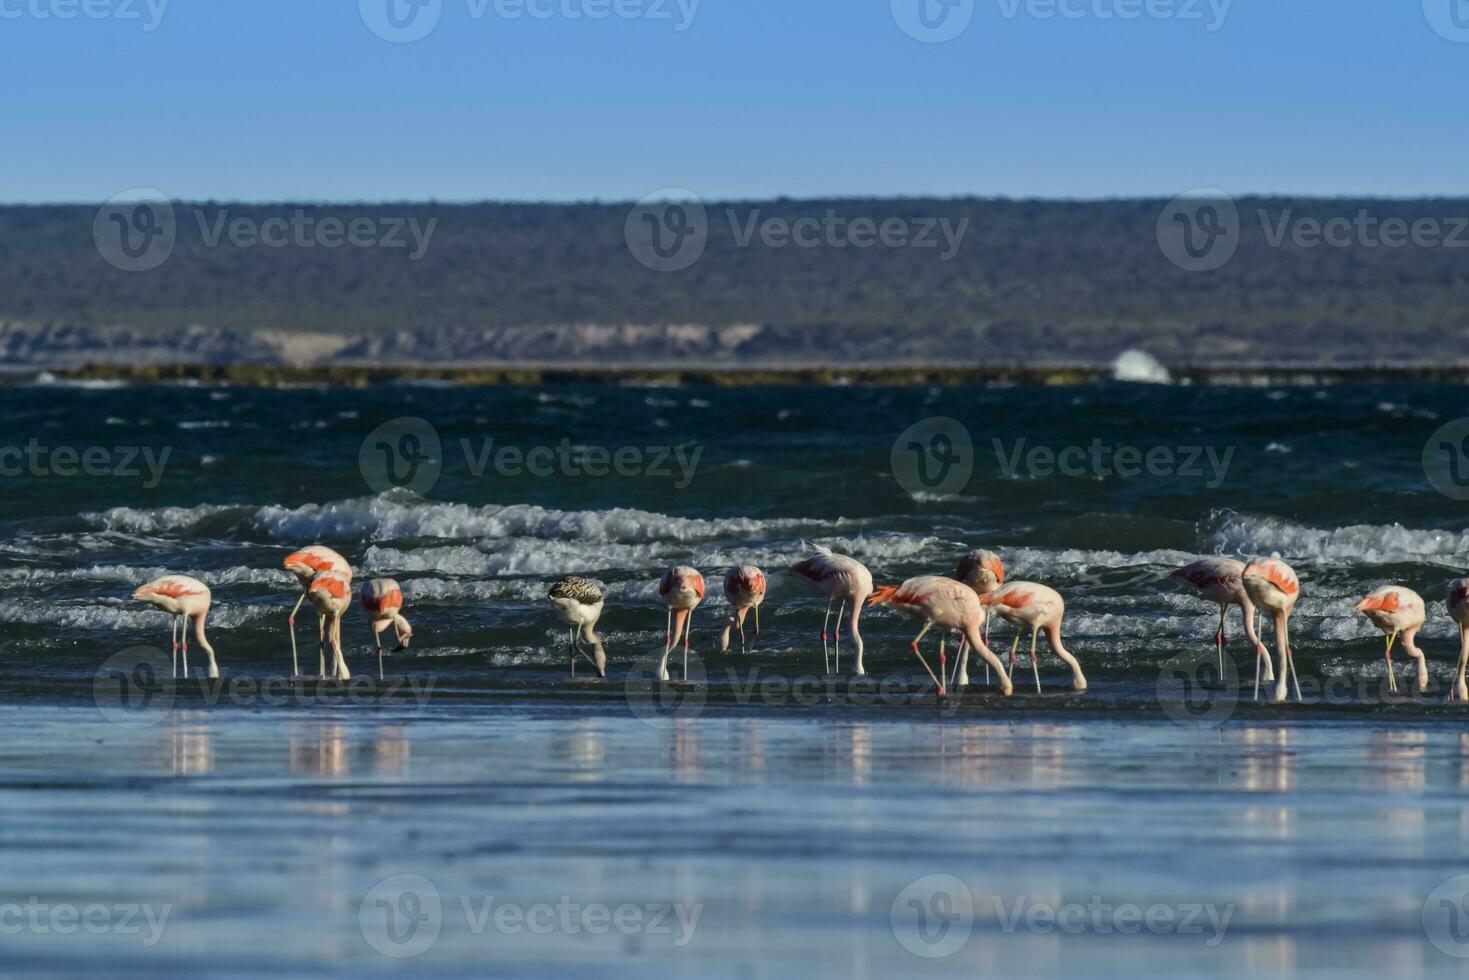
pixel 1219 642
pixel 339 659
pixel 757 628
pixel 1453 686
pixel 1013 646
pixel 825 655
pixel 1034 667
pixel 1259 653
pixel 184 635
pixel 959 659
pixel 667 647
pixel 378 639
pixel 914 645
pixel 1290 655
pixel 1459 691
pixel 174 638
pixel 321 645
pixel 742 635
pixel 837 667
pixel 1392 681
pixel 295 662
pixel 943 659
pixel 688 627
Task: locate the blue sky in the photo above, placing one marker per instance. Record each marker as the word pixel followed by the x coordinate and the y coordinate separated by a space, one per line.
pixel 301 100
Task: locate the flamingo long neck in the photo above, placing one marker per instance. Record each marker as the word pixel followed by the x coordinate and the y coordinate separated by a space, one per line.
pixel 1247 610
pixel 199 634
pixel 858 601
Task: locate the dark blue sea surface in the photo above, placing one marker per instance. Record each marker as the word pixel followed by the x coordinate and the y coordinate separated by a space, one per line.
pixel 799 824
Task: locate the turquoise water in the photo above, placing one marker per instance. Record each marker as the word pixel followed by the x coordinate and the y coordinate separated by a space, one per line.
pixel 763 820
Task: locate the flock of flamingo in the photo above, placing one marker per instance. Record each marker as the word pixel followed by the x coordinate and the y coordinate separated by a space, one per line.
pixel 962 603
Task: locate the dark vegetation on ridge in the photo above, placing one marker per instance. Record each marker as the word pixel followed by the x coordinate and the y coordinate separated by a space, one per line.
pixel 1030 281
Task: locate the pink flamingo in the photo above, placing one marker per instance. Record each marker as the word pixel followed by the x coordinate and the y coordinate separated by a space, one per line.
pixel 1458 603
pixel 682 589
pixel 838 577
pixel 1039 607
pixel 983 572
pixel 947 604
pixel 189 598
pixel 383 601
pixel 1274 587
pixel 1220 579
pixel 744 587
pixel 306 564
pixel 1396 611
pixel 331 594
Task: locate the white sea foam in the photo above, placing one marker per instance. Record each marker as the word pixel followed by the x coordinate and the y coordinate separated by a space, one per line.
pixel 153 520
pixel 1354 544
pixel 114 615
pixel 395 516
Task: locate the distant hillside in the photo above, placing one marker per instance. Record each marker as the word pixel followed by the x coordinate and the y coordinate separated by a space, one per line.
pixel 1026 282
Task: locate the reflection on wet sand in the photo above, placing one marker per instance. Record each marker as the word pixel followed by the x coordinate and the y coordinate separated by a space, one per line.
pixel 582 751
pixel 321 750
pixel 391 750
pixel 1267 759
pixel 796 837
pixel 328 749
pixel 187 747
pixel 1398 758
pixel 687 762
